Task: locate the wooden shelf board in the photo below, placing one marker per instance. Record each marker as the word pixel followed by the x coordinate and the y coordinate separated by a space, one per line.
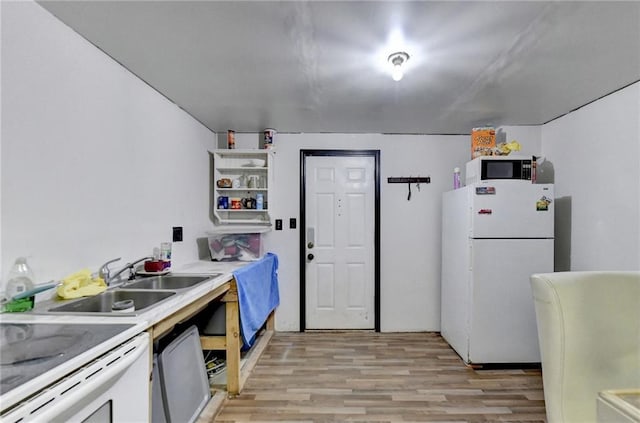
pixel 247 362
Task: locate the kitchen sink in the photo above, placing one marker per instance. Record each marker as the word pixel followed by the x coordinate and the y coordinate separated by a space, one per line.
pixel 169 281
pixel 106 302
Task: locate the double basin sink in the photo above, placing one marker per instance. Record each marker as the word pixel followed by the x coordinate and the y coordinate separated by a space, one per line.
pixel 131 298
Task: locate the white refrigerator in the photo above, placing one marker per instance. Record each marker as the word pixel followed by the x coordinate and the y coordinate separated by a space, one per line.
pixel 495 234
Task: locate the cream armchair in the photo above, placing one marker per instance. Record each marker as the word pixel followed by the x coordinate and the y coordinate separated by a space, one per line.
pixel 589 333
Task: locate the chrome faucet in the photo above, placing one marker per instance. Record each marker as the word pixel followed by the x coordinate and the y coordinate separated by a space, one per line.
pixel 105 272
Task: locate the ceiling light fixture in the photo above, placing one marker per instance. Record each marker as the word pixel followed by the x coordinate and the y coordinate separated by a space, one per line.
pixel 397 61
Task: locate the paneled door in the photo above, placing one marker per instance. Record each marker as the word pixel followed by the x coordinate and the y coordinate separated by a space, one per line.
pixel 339 248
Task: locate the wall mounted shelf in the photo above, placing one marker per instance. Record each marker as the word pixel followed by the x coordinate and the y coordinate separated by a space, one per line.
pixel 241 165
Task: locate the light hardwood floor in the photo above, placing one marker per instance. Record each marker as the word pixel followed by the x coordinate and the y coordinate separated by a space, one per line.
pixel 379 377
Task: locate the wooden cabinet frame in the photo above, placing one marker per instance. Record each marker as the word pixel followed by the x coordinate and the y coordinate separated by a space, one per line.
pixel 231 342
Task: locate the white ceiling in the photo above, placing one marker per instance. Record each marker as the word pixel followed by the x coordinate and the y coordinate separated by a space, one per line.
pixel 317 66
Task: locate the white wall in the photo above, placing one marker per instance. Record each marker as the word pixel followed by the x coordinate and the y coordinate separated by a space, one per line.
pixel 95 163
pixel 410 230
pixel 595 152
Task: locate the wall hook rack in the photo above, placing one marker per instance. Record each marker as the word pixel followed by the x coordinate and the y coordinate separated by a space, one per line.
pixel 410 180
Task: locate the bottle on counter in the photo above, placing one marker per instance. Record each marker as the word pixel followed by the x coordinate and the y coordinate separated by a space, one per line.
pixel 156 253
pixel 20 278
pixel 456 178
pixel 165 253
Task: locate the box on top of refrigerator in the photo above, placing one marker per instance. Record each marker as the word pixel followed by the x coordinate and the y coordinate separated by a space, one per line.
pixel 483 141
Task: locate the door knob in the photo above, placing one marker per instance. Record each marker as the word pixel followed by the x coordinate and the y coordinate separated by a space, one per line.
pixel 310 245
pixel 309 256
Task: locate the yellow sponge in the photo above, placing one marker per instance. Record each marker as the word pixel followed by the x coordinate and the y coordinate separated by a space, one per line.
pixel 80 284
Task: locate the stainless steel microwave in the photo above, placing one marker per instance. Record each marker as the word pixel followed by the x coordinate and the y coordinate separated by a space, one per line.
pixel 500 167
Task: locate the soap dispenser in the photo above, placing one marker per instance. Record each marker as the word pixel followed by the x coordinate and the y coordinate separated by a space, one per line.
pixel 20 278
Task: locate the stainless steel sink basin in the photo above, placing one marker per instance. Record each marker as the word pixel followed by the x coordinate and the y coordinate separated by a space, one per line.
pixel 169 282
pixel 104 303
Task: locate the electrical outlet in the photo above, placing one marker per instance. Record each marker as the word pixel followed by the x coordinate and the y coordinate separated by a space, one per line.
pixel 278 224
pixel 177 234
pixel 292 223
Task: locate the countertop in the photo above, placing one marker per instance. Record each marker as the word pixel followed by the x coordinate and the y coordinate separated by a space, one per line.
pixel 155 314
pixel 140 322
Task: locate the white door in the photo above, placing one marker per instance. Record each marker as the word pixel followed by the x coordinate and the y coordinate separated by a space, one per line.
pixel 340 235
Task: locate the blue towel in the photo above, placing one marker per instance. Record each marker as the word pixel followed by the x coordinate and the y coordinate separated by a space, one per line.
pixel 258 295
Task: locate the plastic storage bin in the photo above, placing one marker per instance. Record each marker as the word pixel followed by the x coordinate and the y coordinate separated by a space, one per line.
pixel 157 403
pixel 185 387
pixel 243 247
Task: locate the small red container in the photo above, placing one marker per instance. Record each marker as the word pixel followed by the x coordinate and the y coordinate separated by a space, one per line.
pixel 154 266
